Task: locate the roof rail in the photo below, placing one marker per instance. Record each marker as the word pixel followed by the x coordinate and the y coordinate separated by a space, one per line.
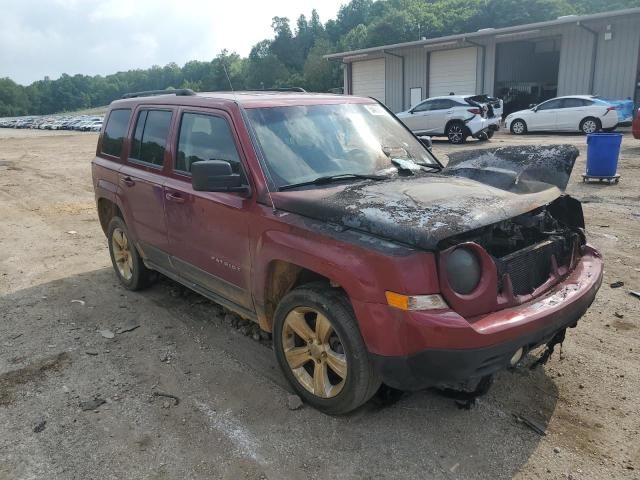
pixel 286 89
pixel 179 92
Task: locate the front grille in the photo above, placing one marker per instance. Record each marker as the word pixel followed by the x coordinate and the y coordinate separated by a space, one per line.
pixel 530 267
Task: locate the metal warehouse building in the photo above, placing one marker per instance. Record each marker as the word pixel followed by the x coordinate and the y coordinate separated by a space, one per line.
pixel 590 54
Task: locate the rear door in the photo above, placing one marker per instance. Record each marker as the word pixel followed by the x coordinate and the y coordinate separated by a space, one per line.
pixel 141 180
pixel 546 115
pixel 209 234
pixel 572 111
pixel 442 110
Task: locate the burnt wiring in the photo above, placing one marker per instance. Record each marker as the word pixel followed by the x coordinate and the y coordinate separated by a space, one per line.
pixel 558 338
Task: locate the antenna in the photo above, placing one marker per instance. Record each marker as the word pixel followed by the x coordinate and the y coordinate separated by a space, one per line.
pixel 228 78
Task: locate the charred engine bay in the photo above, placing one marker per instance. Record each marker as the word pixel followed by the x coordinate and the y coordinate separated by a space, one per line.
pixel 509 236
pixel 529 247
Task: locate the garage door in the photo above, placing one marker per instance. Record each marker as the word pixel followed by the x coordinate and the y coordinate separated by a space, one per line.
pixel 368 78
pixel 453 71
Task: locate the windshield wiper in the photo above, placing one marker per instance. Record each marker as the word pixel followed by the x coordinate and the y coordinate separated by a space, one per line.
pixel 411 166
pixel 332 178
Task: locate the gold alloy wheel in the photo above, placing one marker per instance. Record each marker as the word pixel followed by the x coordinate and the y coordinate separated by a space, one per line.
pixel 122 253
pixel 314 352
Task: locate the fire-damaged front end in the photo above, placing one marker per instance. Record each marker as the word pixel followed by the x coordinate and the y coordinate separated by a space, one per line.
pixel 514 285
pixel 518 258
pixel 513 267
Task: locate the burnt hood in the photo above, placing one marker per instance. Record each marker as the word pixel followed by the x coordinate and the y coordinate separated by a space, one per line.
pixel 476 189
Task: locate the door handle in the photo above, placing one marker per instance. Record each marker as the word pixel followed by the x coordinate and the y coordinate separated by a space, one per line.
pixel 128 181
pixel 174 197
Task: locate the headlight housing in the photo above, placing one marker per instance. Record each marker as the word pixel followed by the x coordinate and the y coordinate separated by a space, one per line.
pixel 464 271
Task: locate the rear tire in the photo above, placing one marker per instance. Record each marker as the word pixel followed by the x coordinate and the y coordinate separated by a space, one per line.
pixel 319 348
pixel 126 260
pixel 456 133
pixel 590 125
pixel 518 127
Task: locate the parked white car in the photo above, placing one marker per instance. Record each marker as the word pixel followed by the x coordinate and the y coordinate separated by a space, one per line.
pixel 583 113
pixel 454 116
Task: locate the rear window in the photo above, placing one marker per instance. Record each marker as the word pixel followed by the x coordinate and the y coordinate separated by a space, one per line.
pixel 150 136
pixel 115 132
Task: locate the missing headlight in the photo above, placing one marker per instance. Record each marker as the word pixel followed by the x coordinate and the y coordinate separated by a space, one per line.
pixel 463 271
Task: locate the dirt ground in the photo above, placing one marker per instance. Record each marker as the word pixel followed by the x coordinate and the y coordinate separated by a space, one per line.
pixel 58 294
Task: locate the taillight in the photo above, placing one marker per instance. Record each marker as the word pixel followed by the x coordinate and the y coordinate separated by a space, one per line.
pixel 611 108
pixel 475 111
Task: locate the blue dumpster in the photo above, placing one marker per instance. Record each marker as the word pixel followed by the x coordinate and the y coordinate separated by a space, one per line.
pixel 603 150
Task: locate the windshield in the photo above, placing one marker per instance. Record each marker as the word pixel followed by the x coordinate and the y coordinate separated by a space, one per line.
pixel 302 143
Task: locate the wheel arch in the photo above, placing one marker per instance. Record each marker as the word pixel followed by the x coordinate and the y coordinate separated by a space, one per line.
pixel 518 119
pixel 281 277
pixel 456 120
pixel 590 117
pixel 107 209
pixel 285 261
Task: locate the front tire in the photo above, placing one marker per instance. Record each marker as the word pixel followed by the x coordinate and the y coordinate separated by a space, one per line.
pixel 590 125
pixel 456 133
pixel 126 260
pixel 320 350
pixel 518 127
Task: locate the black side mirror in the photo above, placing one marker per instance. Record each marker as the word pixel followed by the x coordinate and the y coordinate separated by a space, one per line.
pixel 216 176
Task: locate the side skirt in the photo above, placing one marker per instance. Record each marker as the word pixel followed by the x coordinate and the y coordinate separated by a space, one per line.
pixel 242 311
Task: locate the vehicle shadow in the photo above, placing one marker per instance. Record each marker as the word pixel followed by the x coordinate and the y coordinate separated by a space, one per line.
pixel 412 435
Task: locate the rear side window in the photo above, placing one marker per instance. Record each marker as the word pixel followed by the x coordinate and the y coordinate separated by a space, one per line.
pixel 451 104
pixel 150 136
pixel 576 102
pixel 115 132
pixel 441 104
pixel 205 137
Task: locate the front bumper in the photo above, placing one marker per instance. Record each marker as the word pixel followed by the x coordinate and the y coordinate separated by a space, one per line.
pixel 455 350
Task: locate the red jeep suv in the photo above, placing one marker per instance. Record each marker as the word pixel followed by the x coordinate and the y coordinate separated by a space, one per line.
pixel 325 220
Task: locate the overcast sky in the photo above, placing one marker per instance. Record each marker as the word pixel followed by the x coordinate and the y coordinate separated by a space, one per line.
pixel 51 37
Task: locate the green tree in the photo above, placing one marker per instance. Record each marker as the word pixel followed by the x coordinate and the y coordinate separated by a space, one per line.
pixel 319 75
pixel 295 58
pixel 265 70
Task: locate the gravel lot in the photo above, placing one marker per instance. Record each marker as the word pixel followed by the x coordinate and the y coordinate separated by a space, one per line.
pixel 58 295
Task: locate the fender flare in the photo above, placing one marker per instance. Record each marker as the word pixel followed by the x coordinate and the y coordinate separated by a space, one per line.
pixel 303 253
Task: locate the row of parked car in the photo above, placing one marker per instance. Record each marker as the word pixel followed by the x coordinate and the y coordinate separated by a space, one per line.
pixel 85 123
pixel 461 116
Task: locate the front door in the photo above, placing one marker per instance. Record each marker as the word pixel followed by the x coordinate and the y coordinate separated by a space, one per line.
pixel 142 178
pixel 546 115
pixel 209 234
pixel 419 120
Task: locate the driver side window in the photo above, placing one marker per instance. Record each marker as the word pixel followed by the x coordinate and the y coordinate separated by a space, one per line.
pixel 205 137
pixel 551 104
pixel 423 107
